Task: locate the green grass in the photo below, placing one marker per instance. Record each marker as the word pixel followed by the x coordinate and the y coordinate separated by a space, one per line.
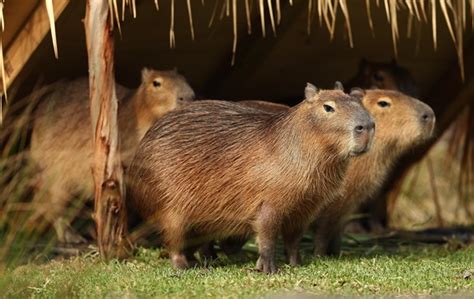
pixel 365 270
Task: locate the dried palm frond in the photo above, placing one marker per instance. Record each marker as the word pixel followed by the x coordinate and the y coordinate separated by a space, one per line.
pixel 172 37
pixel 50 10
pixel 190 16
pixel 234 23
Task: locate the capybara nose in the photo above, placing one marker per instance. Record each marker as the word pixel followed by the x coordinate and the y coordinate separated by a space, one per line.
pixel 359 129
pixel 428 116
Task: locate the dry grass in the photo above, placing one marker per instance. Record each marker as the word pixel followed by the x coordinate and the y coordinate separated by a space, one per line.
pixel 444 175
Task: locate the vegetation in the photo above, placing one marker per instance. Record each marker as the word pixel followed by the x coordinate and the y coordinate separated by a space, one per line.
pixel 368 267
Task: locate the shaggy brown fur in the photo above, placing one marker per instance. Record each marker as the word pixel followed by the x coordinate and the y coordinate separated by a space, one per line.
pixel 61 140
pixel 217 169
pixel 402 123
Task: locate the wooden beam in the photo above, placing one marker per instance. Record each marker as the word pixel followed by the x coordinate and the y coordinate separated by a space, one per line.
pixel 110 211
pixel 29 38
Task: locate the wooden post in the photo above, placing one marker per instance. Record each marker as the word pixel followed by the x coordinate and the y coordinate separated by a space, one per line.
pixel 109 212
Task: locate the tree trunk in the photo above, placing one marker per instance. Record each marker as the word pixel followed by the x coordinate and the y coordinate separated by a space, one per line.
pixel 109 213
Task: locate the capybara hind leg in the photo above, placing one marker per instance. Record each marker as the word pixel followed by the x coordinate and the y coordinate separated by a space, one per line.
pixel 267 226
pixel 56 214
pixel 291 238
pixel 51 204
pixel 207 251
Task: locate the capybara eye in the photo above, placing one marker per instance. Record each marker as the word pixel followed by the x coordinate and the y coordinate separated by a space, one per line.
pixel 377 77
pixel 156 83
pixel 328 108
pixel 383 104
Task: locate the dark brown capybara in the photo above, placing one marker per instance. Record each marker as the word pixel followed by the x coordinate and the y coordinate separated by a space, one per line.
pixel 214 169
pixel 61 143
pixel 402 123
pixel 383 75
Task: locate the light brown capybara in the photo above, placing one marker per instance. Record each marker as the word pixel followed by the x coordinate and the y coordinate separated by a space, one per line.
pixel 61 142
pixel 402 123
pixel 216 169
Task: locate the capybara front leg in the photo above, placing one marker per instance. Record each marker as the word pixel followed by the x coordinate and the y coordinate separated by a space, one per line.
pixel 291 238
pixel 327 237
pixel 267 226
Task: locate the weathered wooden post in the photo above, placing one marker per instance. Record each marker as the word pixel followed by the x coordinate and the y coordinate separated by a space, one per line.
pixel 109 213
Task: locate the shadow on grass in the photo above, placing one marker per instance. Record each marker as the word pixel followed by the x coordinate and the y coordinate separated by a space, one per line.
pixel 354 246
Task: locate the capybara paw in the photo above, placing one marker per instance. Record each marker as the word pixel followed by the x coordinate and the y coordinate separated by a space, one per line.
pixel 266 265
pixel 294 259
pixel 320 250
pixel 71 237
pixel 207 253
pixel 179 261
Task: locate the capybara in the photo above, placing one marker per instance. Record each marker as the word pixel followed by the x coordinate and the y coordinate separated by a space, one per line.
pixel 402 123
pixel 61 142
pixel 382 75
pixel 216 169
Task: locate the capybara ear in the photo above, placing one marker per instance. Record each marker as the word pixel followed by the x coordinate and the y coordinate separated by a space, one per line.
pixel 310 91
pixel 145 74
pixel 338 86
pixel 358 93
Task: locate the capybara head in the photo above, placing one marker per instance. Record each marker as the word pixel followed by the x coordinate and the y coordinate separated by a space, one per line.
pixel 385 76
pixel 163 90
pixel 402 121
pixel 341 118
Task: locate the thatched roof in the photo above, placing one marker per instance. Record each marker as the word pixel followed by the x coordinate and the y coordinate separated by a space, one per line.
pixel 316 40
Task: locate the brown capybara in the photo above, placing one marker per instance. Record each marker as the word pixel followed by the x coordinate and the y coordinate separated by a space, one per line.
pixel 402 123
pixel 380 75
pixel 61 142
pixel 216 169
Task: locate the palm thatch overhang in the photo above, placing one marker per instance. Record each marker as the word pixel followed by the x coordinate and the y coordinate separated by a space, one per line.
pixel 245 49
pixel 274 46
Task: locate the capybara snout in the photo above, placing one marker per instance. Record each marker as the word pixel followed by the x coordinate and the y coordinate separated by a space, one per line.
pixel 427 119
pixel 363 133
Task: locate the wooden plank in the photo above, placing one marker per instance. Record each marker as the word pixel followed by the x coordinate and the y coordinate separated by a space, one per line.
pixel 29 38
pixel 109 211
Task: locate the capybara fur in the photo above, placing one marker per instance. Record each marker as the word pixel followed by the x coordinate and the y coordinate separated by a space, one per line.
pixel 402 123
pixel 61 143
pixel 215 169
